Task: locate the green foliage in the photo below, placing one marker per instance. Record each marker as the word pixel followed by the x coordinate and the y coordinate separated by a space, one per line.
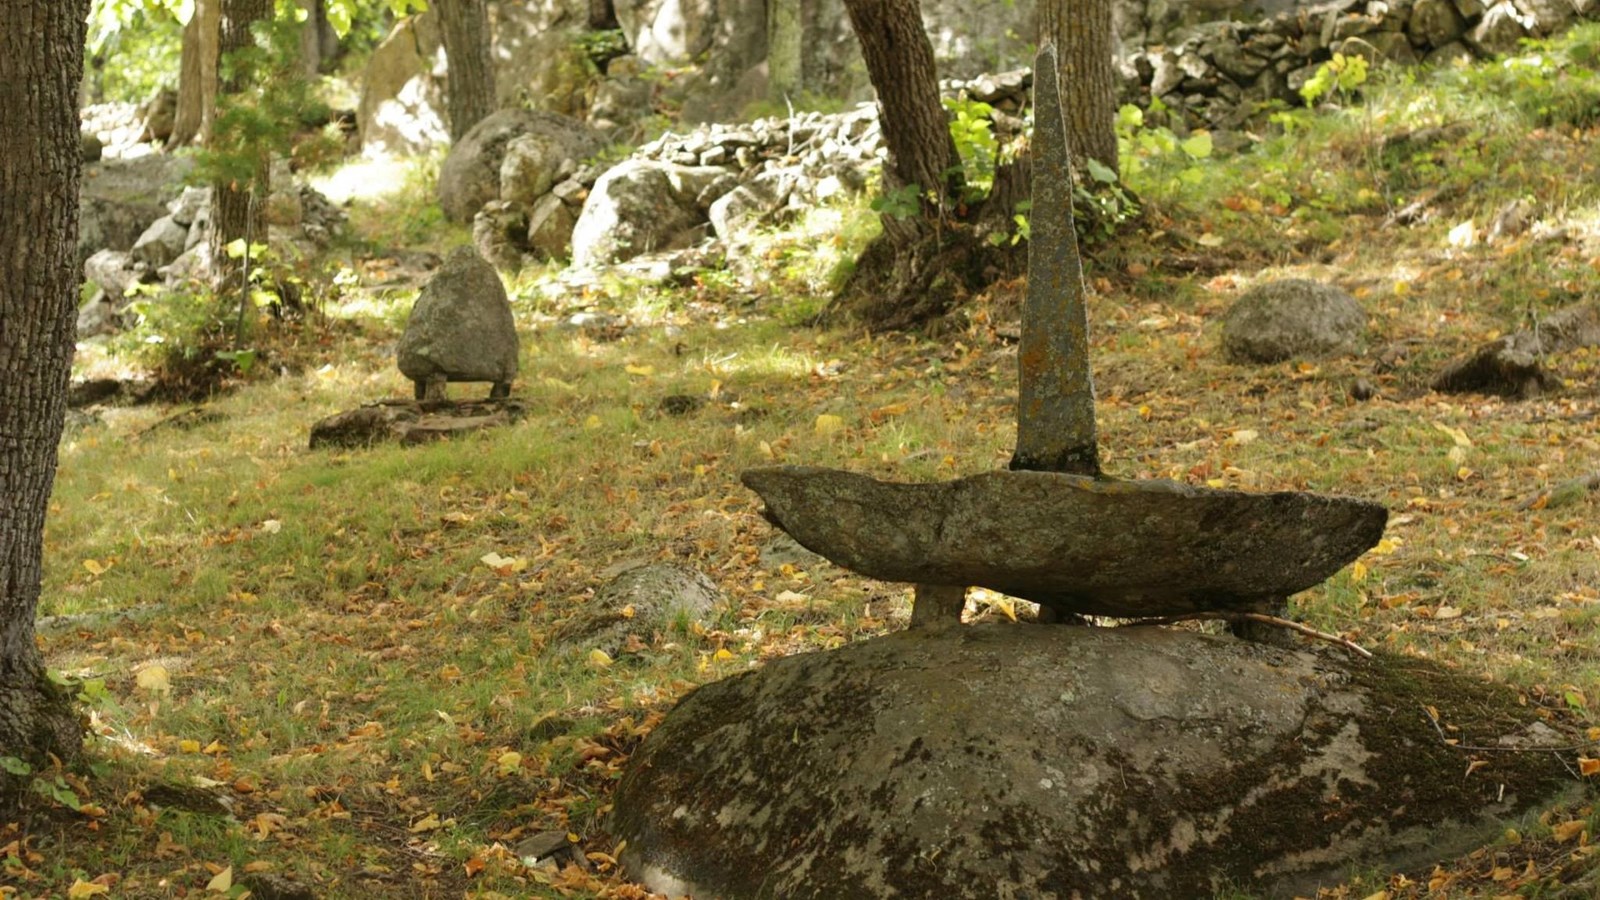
pixel 1154 160
pixel 1555 82
pixel 1336 79
pixel 903 202
pixel 134 47
pixel 600 47
pixel 343 14
pixel 972 129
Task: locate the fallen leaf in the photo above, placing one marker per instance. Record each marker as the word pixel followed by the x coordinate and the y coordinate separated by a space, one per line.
pixel 1243 436
pixel 1567 831
pixel 641 371
pixel 430 822
pixel 829 424
pixel 222 882
pixel 96 567
pixel 599 659
pixel 154 679
pixel 272 526
pixel 1587 766
pixel 81 888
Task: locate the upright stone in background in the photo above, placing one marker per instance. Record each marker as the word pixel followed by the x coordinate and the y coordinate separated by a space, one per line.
pixel 461 329
pixel 1055 403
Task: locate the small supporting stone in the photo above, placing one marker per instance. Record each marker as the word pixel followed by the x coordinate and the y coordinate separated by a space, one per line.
pixel 500 390
pixel 431 388
pixel 1055 402
pixel 936 605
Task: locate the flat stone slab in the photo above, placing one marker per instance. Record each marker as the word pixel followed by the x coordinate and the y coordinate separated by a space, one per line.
pixel 411 422
pixel 1029 761
pixel 1073 543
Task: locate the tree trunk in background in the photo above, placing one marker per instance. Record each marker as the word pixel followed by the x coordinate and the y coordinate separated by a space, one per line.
pixel 915 126
pixel 785 37
pixel 318 41
pixel 197 77
pixel 929 256
pixel 234 214
pixel 41 67
pixel 469 88
pixel 1086 42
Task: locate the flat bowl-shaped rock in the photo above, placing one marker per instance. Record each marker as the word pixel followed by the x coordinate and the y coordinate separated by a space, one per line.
pixel 1073 543
pixel 1071 762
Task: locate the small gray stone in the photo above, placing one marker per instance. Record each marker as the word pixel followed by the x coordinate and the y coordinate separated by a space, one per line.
pixel 1292 317
pixel 1500 30
pixel 1435 23
pixel 461 328
pixel 640 602
pixel 161 243
pixel 550 228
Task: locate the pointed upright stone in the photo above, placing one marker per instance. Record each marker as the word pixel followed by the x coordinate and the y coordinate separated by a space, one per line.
pixel 1055 404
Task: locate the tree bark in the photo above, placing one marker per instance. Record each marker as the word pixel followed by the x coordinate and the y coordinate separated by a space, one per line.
pixel 915 126
pixel 239 209
pixel 41 65
pixel 197 75
pixel 1086 41
pixel 469 89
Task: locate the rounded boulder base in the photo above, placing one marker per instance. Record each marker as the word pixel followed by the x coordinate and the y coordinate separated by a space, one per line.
pixel 1070 762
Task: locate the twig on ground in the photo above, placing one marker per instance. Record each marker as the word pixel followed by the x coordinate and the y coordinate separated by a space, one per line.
pixel 1449 742
pixel 1264 619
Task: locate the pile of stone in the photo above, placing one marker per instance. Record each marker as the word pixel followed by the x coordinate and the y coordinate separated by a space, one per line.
pixel 529 183
pixel 129 238
pixel 1215 74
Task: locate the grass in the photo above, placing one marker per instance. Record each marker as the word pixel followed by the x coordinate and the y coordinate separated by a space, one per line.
pixel 314 638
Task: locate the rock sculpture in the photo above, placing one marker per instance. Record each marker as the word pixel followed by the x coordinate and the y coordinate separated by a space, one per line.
pixel 461 329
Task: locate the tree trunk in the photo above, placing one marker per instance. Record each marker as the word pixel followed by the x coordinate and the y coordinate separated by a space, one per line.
pixel 197 75
pixel 929 255
pixel 41 64
pixel 785 37
pixel 915 126
pixel 319 43
pixel 1084 35
pixel 469 89
pixel 239 209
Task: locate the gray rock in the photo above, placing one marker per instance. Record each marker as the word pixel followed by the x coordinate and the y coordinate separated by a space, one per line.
pixel 1449 54
pixel 782 550
pixel 641 602
pixel 161 243
pixel 1435 23
pixel 119 198
pixel 1073 543
pixel 499 232
pixel 470 175
pixel 1500 29
pixel 402 96
pixel 114 271
pixel 461 329
pixel 193 265
pixel 550 225
pixel 534 162
pixel 98 316
pixel 1055 761
pixel 1546 16
pixel 191 205
pixel 159 114
pixel 1289 318
pixel 739 209
pixel 90 146
pixel 639 207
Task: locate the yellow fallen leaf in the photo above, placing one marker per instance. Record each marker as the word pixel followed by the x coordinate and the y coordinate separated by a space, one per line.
pixel 81 889
pixel 558 384
pixel 1381 895
pixel 1447 612
pixel 641 371
pixel 153 679
pixel 1243 436
pixel 508 762
pixel 1358 572
pixel 592 423
pixel 628 612
pixel 722 655
pixel 1456 434
pixel 1567 831
pixel 272 526
pixel 1587 766
pixel 430 822
pixel 829 424
pixel 222 882
pixel 188 746
pixel 96 567
pixel 599 658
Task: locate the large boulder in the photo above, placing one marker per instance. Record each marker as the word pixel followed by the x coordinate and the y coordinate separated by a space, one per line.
pixel 119 198
pixel 1289 318
pixel 547 153
pixel 461 328
pixel 402 107
pixel 642 206
pixel 470 176
pixel 1435 23
pixel 1062 762
pixel 161 243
